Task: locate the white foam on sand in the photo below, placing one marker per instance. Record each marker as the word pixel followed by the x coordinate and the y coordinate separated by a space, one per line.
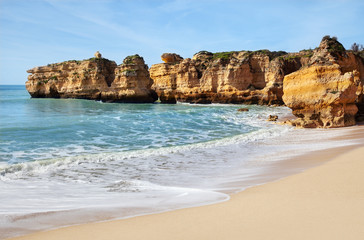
pixel 72 190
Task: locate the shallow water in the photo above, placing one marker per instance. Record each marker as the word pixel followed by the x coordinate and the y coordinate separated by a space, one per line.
pixel 68 161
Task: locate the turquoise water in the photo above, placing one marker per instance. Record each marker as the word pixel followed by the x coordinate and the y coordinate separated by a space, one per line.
pixel 33 129
pixel 70 161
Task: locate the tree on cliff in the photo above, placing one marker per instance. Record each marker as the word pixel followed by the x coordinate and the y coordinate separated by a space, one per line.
pixel 357 47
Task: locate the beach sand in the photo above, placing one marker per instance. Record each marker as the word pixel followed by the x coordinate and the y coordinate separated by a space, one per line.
pixel 324 202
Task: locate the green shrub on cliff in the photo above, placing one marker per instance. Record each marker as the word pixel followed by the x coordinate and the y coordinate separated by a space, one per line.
pixel 204 53
pixel 127 71
pixel 42 81
pixel 222 55
pixel 271 55
pixel 73 61
pixel 262 51
pixel 334 46
pixel 307 53
pixel 53 78
pixel 131 59
pixel 228 55
pixel 290 58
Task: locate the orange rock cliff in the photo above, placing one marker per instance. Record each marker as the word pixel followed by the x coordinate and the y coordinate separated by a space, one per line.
pixel 227 77
pixel 96 78
pixel 328 91
pixel 323 87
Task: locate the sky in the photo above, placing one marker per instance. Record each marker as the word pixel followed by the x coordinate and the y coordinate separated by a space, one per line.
pixel 38 32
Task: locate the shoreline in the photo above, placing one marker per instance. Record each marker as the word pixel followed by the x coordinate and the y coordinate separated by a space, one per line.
pixel 134 227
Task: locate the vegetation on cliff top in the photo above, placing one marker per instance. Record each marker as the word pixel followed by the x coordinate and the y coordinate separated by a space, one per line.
pixel 222 55
pixel 358 49
pixel 95 59
pixel 360 54
pixel 131 59
pixel 204 53
pixel 289 58
pixel 296 57
pixel 307 52
pixel 229 55
pixel 78 62
pixel 333 44
pixel 272 55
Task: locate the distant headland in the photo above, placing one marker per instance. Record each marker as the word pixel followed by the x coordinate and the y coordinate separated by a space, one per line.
pixel 323 87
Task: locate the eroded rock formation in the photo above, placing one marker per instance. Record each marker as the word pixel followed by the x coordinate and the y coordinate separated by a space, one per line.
pixel 227 77
pixel 131 83
pixel 325 93
pixel 95 78
pixel 324 87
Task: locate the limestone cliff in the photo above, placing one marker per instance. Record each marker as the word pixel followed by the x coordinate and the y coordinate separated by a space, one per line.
pixel 325 93
pixel 323 87
pixel 227 77
pixel 131 83
pixel 96 78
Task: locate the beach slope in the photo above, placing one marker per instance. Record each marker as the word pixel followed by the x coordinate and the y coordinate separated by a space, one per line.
pixel 325 202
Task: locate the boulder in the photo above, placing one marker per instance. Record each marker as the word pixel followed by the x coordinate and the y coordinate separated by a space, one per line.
pixel 171 57
pixel 273 118
pixel 97 54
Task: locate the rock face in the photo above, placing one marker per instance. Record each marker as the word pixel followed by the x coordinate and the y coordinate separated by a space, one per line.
pixel 95 78
pixel 227 77
pixel 325 92
pixel 131 83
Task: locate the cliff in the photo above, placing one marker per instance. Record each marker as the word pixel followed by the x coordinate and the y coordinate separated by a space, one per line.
pixel 227 77
pixel 96 78
pixel 323 87
pixel 326 92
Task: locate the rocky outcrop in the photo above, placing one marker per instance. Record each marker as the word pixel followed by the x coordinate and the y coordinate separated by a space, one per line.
pixel 97 54
pixel 131 84
pixel 96 78
pixel 171 58
pixel 272 118
pixel 227 77
pixel 325 93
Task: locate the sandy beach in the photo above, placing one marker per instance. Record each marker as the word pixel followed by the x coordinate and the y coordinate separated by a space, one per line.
pixel 324 202
pixel 181 120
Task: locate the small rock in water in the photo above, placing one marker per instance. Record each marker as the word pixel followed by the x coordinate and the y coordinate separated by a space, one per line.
pixel 273 118
pixel 243 109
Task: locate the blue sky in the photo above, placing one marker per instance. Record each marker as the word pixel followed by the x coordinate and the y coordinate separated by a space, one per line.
pixel 38 32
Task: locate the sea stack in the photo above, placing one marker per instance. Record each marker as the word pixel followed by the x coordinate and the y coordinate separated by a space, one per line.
pixel 95 78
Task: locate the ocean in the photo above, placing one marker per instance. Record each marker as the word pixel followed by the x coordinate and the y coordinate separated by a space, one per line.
pixel 71 161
